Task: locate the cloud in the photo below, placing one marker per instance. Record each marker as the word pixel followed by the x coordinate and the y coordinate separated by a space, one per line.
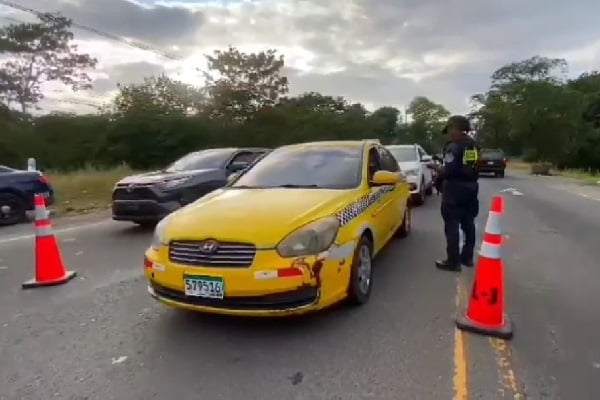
pixel 380 52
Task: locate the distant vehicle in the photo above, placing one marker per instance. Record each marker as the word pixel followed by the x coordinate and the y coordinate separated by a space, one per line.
pixel 492 161
pixel 17 189
pixel 413 161
pixel 146 198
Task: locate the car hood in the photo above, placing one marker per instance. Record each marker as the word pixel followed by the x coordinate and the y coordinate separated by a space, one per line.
pixel 259 216
pixel 163 176
pixel 407 165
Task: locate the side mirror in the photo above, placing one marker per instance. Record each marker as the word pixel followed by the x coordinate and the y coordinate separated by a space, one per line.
pixel 382 178
pixel 426 159
pixel 233 176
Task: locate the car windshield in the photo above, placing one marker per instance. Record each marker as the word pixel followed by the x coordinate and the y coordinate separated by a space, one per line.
pixel 204 159
pixel 402 154
pixel 331 168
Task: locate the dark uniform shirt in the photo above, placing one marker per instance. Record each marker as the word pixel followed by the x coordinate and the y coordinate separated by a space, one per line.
pixel 458 177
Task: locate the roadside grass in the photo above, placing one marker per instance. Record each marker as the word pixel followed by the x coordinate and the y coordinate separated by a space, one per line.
pixel 582 175
pixel 85 190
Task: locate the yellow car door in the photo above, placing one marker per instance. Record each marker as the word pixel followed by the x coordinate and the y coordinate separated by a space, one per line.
pixel 382 211
pixel 395 193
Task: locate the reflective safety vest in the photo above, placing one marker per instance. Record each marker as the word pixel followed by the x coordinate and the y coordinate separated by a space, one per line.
pixel 470 157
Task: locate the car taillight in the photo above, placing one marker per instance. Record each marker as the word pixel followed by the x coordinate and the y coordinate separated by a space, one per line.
pixel 44 180
pixel 505 161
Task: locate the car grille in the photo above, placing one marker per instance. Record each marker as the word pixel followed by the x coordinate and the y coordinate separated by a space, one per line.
pixel 228 254
pixel 138 192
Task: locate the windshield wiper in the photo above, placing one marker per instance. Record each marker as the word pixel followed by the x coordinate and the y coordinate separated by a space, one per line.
pixel 289 185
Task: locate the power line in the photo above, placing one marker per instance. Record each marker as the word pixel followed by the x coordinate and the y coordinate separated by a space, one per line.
pixel 74 102
pixel 110 36
pixel 131 43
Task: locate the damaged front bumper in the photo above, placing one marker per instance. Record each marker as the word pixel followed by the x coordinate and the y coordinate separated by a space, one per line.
pixel 296 286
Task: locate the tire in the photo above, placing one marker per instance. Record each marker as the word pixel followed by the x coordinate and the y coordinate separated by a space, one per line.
pixel 429 190
pixel 12 209
pixel 405 229
pixel 419 198
pixel 359 292
pixel 146 224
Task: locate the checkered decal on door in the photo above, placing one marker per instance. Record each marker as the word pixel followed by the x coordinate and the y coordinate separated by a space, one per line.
pixel 357 207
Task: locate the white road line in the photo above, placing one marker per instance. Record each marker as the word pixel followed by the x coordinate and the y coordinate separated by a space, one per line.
pixel 56 231
pixel 568 190
pixel 587 196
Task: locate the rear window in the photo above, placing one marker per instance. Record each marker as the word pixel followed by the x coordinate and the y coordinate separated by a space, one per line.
pixel 402 154
pixel 492 153
pixel 328 168
pixel 204 159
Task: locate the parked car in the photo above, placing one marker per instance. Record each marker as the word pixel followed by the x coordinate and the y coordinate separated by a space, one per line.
pixel 146 198
pixel 492 161
pixel 17 189
pixel 413 161
pixel 296 232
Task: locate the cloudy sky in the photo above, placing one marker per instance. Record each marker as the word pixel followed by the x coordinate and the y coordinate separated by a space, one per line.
pixel 378 52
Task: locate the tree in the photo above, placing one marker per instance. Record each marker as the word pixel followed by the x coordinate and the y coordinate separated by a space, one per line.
pixel 317 102
pixel 493 122
pixel 159 95
pixel 240 84
pixel 532 69
pixel 37 53
pixel 530 110
pixel 427 120
pixel 384 121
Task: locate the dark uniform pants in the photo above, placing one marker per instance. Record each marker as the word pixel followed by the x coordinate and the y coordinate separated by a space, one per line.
pixel 460 207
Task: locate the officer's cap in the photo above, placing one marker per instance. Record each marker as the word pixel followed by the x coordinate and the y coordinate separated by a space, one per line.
pixel 457 121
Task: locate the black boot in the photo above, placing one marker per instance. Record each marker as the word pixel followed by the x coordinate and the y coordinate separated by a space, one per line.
pixel 467 263
pixel 447 266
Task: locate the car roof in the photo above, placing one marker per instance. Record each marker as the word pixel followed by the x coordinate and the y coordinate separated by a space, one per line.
pixel 390 146
pixel 357 144
pixel 231 149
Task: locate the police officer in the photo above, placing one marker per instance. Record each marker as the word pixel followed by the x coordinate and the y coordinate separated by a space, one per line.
pixel 457 180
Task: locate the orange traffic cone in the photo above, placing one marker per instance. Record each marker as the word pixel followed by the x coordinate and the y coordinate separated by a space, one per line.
pixel 49 266
pixel 485 313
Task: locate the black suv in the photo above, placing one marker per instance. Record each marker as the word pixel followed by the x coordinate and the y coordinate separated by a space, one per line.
pixel 146 198
pixel 492 161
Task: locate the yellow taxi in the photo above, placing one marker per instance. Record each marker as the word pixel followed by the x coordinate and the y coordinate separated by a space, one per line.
pixel 295 232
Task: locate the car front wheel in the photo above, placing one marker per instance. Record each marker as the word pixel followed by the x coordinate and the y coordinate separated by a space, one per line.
pixel 419 198
pixel 361 273
pixel 12 209
pixel 404 229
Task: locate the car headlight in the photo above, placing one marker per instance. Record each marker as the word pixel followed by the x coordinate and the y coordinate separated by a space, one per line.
pixel 172 183
pixel 310 239
pixel 411 172
pixel 158 238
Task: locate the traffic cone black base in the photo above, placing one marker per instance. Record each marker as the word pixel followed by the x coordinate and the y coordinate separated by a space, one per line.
pixel 505 331
pixel 32 283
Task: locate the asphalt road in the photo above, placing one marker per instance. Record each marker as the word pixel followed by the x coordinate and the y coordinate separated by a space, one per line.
pixel 102 337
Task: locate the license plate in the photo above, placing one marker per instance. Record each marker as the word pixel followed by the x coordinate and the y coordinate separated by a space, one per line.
pixel 490 163
pixel 204 286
